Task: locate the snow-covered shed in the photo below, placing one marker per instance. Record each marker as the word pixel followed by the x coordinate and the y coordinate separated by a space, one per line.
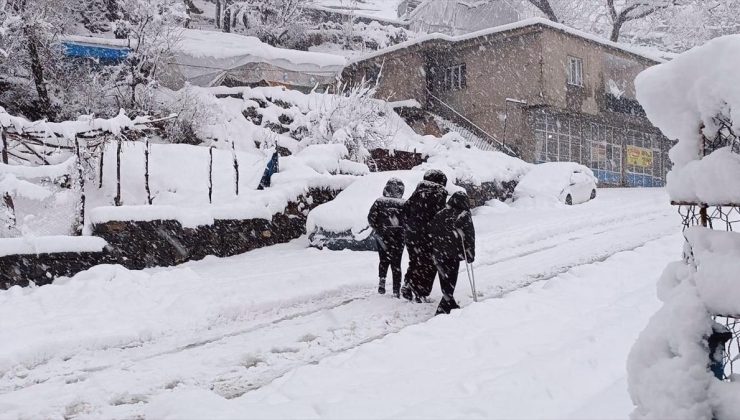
pixel 209 58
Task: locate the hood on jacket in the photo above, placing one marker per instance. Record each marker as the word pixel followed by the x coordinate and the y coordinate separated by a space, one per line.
pixel 394 188
pixel 459 201
pixel 436 176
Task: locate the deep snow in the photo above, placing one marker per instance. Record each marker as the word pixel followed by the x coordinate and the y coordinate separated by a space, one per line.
pixel 210 337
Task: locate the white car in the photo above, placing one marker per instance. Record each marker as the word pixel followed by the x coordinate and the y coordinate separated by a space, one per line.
pixel 568 182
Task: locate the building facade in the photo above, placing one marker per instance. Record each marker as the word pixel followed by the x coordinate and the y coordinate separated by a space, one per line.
pixel 548 92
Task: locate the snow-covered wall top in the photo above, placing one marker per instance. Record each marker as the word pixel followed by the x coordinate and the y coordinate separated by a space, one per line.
pixel 684 95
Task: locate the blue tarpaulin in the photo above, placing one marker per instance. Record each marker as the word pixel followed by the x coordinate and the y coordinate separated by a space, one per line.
pixel 104 53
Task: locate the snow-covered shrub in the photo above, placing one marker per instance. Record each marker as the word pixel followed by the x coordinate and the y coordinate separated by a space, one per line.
pixel 668 366
pixel 195 110
pixel 360 36
pixel 675 367
pixel 353 118
pixel 275 22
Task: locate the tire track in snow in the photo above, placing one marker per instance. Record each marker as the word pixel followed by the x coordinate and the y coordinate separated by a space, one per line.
pixel 282 362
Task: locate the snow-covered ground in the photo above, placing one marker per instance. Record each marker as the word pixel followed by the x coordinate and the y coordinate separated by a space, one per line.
pixel 289 331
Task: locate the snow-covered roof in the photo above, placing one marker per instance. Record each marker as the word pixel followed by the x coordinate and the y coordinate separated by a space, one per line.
pixel 204 57
pixel 381 10
pixel 641 52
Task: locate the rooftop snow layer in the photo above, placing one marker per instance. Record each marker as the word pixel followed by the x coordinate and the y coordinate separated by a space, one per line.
pixel 512 26
pixel 238 49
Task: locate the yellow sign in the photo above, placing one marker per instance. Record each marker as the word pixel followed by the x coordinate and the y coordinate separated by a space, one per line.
pixel 639 156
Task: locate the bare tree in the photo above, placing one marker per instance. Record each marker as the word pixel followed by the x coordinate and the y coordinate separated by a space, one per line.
pixel 276 22
pixel 152 28
pixel 545 7
pixel 632 10
pixel 28 29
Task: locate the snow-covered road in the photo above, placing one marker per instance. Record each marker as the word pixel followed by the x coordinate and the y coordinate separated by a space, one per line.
pixel 116 343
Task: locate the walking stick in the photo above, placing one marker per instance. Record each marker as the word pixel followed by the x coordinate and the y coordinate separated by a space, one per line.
pixel 469 271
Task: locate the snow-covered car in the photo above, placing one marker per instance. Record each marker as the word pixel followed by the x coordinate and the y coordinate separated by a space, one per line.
pixel 568 182
pixel 342 222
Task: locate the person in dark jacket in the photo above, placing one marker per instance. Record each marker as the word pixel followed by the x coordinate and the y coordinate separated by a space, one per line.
pixel 386 218
pixel 428 199
pixel 454 241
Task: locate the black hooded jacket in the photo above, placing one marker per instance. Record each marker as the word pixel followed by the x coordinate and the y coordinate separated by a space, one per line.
pixel 448 226
pixel 386 213
pixel 428 198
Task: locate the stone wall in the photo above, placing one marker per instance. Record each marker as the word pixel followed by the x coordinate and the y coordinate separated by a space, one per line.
pixel 138 245
pixel 42 269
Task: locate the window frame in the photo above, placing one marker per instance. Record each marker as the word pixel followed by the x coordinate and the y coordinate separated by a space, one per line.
pixel 455 77
pixel 575 71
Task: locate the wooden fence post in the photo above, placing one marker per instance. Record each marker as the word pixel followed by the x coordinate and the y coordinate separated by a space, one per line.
pixel 100 170
pixel 81 185
pixel 210 175
pixel 5 145
pixel 236 168
pixel 146 172
pixel 117 200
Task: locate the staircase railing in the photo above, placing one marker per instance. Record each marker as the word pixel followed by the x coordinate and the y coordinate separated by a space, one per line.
pixel 491 139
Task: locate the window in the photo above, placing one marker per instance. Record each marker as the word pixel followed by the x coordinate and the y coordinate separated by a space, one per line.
pixel 575 71
pixel 455 77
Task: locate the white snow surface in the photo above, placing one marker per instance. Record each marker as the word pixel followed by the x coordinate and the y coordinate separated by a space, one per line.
pixel 682 97
pixel 50 244
pixel 179 183
pixel 236 337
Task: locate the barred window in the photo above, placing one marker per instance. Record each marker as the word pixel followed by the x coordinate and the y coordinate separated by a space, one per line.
pixel 575 71
pixel 455 77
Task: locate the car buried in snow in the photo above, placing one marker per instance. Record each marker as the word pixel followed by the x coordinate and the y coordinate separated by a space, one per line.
pixel 568 182
pixel 342 222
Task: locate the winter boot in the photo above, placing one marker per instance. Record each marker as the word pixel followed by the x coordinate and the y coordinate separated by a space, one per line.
pixel 406 292
pixel 381 286
pixel 396 293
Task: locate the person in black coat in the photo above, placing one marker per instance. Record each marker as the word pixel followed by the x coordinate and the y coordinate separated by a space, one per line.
pixel 386 218
pixel 428 199
pixel 452 228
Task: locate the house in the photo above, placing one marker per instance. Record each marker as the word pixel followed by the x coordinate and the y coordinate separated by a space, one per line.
pixel 209 58
pixel 537 89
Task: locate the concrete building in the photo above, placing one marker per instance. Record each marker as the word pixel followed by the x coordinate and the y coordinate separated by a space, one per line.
pixel 538 89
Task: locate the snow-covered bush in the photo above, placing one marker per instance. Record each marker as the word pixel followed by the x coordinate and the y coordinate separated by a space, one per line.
pixel 275 22
pixel 693 98
pixel 676 367
pixel 353 118
pixel 195 110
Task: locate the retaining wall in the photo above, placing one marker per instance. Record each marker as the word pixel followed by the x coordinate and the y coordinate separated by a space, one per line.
pixel 137 244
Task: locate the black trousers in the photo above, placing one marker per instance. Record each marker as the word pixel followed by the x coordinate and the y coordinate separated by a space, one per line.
pixel 448 270
pixel 390 253
pixel 421 272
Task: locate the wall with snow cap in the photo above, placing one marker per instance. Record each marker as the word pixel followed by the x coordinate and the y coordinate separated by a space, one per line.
pixel 682 97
